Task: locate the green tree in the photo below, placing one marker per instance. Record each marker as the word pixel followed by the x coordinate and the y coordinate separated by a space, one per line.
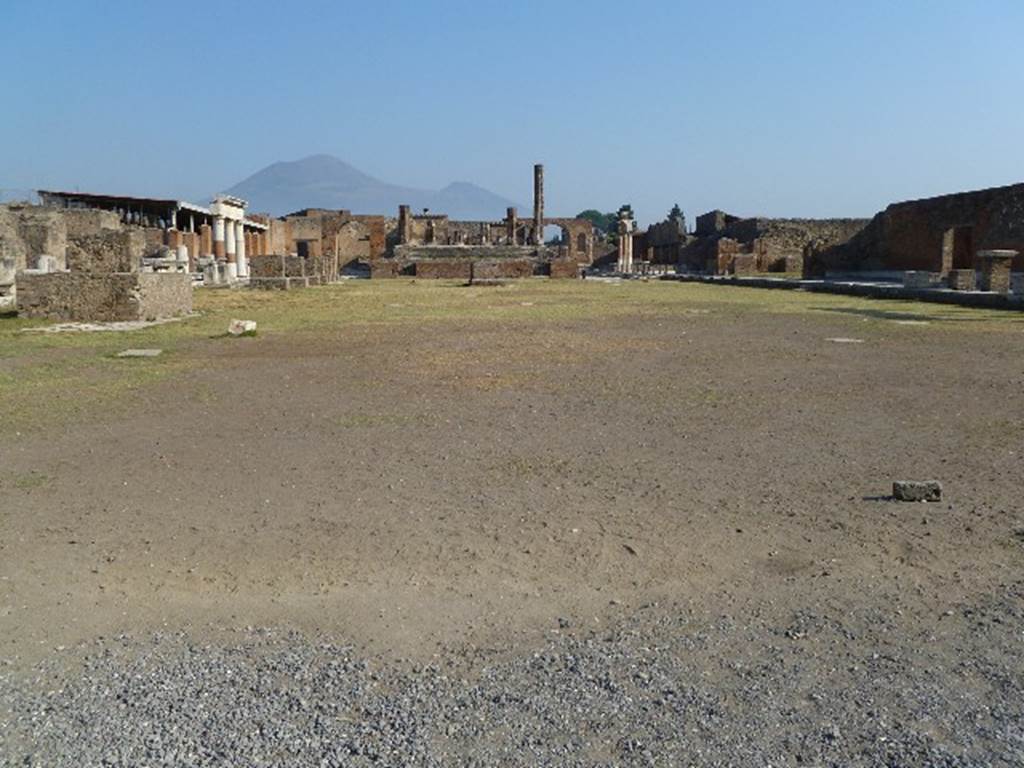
pixel 603 222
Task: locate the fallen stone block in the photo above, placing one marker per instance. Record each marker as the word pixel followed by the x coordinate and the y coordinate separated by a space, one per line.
pixel 140 353
pixel 242 328
pixel 917 490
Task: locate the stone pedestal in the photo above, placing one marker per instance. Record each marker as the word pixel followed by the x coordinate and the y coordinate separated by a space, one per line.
pixel 961 279
pixel 995 270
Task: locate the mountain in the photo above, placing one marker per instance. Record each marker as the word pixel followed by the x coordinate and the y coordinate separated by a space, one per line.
pixel 323 181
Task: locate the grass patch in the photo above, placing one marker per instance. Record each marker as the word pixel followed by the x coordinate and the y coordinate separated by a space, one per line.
pixel 54 378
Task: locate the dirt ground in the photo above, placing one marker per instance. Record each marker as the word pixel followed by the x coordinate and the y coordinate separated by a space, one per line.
pixel 424 478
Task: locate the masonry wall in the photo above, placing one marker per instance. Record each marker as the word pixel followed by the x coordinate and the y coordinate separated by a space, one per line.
pixel 108 251
pixel 935 234
pixel 28 231
pixel 86 296
pixel 164 294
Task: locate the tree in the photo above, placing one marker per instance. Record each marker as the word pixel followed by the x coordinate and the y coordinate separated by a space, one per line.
pixel 603 222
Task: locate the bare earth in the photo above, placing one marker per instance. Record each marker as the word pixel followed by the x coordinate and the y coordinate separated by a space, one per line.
pixel 465 477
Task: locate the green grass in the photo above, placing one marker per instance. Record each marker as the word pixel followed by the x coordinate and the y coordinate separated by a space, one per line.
pixel 55 378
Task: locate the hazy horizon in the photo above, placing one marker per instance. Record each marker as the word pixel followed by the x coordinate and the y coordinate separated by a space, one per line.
pixel 799 110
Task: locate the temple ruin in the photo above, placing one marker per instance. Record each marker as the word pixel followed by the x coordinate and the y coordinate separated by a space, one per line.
pixel 430 245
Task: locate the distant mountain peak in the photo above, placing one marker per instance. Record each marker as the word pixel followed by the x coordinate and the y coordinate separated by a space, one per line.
pixel 325 181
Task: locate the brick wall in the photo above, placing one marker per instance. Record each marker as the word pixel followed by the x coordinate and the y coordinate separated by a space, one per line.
pixel 497 269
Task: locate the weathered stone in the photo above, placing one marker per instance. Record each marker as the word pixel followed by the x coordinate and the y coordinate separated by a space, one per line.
pixel 917 490
pixel 140 353
pixel 962 279
pixel 995 270
pixel 88 296
pixel 242 327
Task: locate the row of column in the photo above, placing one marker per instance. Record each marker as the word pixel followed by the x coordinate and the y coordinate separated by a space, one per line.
pixel 229 246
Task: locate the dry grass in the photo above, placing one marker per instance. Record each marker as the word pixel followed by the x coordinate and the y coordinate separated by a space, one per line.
pixel 53 378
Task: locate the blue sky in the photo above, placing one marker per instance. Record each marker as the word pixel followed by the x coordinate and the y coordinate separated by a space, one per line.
pixel 775 108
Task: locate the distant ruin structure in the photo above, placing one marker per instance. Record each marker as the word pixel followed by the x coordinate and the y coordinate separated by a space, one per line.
pixel 430 245
pixel 941 235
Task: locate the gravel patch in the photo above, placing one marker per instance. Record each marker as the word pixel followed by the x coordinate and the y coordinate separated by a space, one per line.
pixel 661 688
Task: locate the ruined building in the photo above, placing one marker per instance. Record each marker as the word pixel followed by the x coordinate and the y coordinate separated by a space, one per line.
pixel 938 235
pixel 217 240
pixel 431 245
pixel 86 264
pixel 723 244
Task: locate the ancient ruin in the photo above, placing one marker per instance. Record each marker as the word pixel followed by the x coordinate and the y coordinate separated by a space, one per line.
pixel 86 264
pixel 430 245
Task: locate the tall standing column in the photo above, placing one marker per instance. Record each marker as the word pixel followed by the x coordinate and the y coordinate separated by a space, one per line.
pixel 538 204
pixel 218 238
pixel 243 264
pixel 511 224
pixel 230 250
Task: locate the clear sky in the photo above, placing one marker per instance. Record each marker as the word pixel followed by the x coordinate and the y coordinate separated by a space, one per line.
pixel 778 108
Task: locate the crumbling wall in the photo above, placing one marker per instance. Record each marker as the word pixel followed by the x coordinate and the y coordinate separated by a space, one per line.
pixel 84 296
pixel 107 251
pixel 29 231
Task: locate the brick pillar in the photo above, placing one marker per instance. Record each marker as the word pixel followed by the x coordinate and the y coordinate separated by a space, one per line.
pixel 205 240
pixel 511 224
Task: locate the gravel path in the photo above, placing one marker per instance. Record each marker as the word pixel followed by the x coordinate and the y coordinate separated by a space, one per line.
pixel 662 688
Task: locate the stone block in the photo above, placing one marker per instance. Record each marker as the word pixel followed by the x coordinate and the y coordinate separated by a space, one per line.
pixel 1016 283
pixel 917 490
pixel 995 270
pixel 962 279
pixel 242 328
pixel 919 279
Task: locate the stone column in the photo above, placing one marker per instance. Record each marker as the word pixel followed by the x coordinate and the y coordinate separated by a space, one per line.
pixel 243 265
pixel 219 251
pixel 511 224
pixel 230 251
pixel 538 204
pixel 404 225
pixel 995 270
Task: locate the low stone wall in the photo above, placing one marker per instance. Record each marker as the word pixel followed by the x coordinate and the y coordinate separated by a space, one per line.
pixel 164 294
pixel 84 296
pixel 498 269
pixel 445 269
pixel 565 268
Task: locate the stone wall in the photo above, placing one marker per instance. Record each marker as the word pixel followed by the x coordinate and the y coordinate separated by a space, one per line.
pixel 935 234
pixel 108 251
pixel 497 269
pixel 28 231
pixel 84 296
pixel 445 269
pixel 776 245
